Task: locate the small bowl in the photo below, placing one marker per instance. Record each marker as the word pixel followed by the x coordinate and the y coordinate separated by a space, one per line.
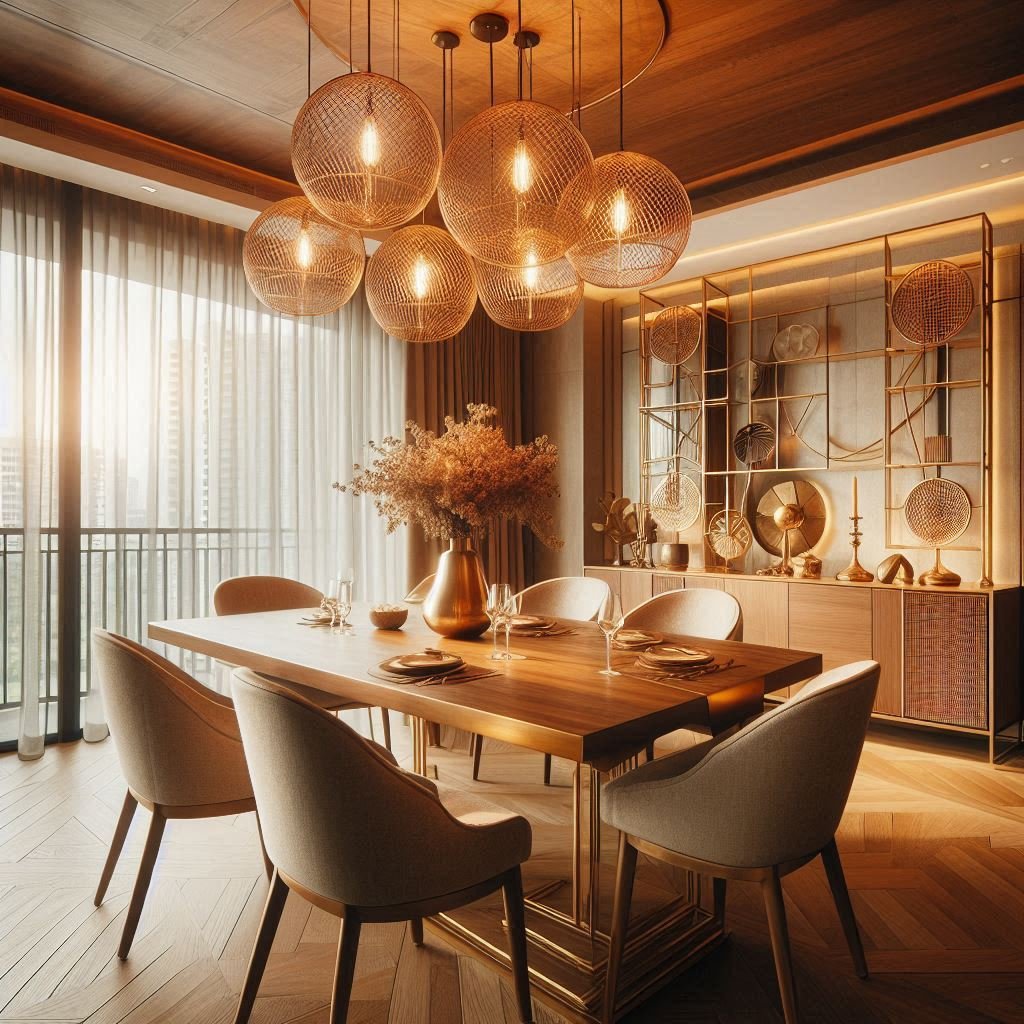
pixel 389 618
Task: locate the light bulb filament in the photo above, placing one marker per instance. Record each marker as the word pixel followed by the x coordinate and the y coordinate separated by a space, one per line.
pixel 522 169
pixel 369 142
pixel 304 250
pixel 420 278
pixel 531 272
pixel 620 213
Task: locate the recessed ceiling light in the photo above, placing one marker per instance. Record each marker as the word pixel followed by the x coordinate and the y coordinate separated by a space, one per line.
pixel 984 165
pixel 1006 159
pixel 147 188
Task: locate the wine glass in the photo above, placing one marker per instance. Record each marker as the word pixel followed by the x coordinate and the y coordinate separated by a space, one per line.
pixel 499 596
pixel 512 610
pixel 345 604
pixel 610 623
pixel 330 602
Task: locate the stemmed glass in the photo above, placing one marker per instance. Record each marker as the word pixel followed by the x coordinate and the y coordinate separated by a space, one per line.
pixel 330 600
pixel 338 601
pixel 512 610
pixel 499 597
pixel 610 623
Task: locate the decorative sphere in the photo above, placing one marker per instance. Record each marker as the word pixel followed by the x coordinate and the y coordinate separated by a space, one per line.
pixel 529 298
pixel 366 151
pixel 517 184
pixel 788 517
pixel 298 262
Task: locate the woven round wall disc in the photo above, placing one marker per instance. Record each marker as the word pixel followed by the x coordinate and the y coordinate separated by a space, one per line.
pixel 675 334
pixel 933 303
pixel 729 534
pixel 676 503
pixel 754 443
pixel 937 511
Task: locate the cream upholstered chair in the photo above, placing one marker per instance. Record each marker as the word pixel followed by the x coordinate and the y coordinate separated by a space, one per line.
pixel 712 614
pixel 242 594
pixel 568 597
pixel 756 805
pixel 179 748
pixel 418 594
pixel 358 837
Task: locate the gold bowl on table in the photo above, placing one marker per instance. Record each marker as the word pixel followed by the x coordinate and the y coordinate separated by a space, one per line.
pixel 388 616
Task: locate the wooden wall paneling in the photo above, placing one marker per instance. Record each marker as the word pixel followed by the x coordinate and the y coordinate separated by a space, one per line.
pixel 635 587
pixel 834 621
pixel 666 581
pixel 887 648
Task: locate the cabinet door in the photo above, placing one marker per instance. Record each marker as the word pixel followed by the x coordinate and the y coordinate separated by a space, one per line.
pixel 666 581
pixel 887 649
pixel 764 604
pixel 835 622
pixel 610 576
pixel 635 587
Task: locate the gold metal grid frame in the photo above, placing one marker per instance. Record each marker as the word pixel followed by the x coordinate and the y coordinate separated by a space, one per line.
pixel 933 303
pixel 529 298
pixel 675 334
pixel 676 503
pixel 640 224
pixel 420 285
pixel 299 263
pixel 366 151
pixel 517 184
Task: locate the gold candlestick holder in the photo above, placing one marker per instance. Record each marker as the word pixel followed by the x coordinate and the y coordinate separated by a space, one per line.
pixel 855 572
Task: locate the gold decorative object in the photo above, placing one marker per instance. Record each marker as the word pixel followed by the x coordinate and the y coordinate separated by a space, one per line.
pixel 787 518
pixel 895 567
pixel 938 511
pixel 729 536
pixel 457 602
pixel 644 533
pixel 855 572
pixel 640 224
pixel 675 334
pixel 798 341
pixel 802 535
pixel 420 285
pixel 811 568
pixel 932 303
pixel 938 449
pixel 621 523
pixel 299 263
pixel 754 443
pixel 532 298
pixel 517 184
pixel 674 556
pixel 366 151
pixel 676 503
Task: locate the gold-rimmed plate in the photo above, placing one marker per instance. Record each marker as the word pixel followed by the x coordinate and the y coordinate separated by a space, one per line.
pixel 627 638
pixel 528 623
pixel 423 663
pixel 666 656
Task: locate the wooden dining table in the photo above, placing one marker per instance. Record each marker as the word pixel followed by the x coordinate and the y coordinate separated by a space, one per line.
pixel 555 701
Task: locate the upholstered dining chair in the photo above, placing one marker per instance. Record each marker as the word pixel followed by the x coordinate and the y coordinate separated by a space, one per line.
pixel 180 752
pixel 358 837
pixel 755 805
pixel 700 611
pixel 418 594
pixel 583 598
pixel 242 594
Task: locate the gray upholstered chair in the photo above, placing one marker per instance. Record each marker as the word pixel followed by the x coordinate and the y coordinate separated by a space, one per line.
pixel 179 748
pixel 583 598
pixel 418 594
pixel 755 805
pixel 700 611
pixel 240 595
pixel 355 835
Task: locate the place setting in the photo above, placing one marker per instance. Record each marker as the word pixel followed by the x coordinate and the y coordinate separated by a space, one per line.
pixel 429 667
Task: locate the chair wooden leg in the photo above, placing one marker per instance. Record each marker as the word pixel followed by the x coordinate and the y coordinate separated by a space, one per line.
pixel 478 749
pixel 649 751
pixel 142 880
pixel 515 914
pixel 547 769
pixel 385 718
pixel 348 947
pixel 369 718
pixel 718 888
pixel 116 845
pixel 261 948
pixel 267 863
pixel 416 924
pixel 624 875
pixel 771 889
pixel 841 895
pixel 433 734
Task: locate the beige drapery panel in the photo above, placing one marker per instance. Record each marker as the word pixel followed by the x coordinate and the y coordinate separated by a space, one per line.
pixel 481 364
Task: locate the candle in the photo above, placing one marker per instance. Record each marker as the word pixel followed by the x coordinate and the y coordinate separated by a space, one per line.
pixel 854 497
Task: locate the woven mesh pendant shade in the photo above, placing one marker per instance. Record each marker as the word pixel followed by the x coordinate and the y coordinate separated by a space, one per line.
pixel 529 298
pixel 639 226
pixel 517 184
pixel 366 151
pixel 419 285
pixel 299 263
pixel 933 303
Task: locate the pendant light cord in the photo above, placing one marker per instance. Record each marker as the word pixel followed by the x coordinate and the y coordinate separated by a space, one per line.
pixel 572 48
pixel 351 66
pixel 309 48
pixel 397 56
pixel 490 53
pixel 519 19
pixel 622 132
pixel 369 61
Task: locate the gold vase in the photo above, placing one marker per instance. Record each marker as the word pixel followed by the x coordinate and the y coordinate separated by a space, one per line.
pixel 457 602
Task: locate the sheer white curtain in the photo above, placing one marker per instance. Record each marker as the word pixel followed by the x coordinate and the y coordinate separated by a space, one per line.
pixel 30 225
pixel 213 428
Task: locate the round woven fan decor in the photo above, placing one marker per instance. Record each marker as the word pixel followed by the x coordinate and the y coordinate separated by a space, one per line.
pixel 676 503
pixel 933 303
pixel 366 151
pixel 937 511
pixel 801 494
pixel 419 285
pixel 640 224
pixel 675 334
pixel 529 298
pixel 754 443
pixel 729 534
pixel 517 184
pixel 299 263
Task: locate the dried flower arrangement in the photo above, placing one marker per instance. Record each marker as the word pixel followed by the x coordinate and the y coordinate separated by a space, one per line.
pixel 458 483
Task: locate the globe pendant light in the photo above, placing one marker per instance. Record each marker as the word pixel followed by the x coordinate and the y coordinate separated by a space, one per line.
pixel 517 180
pixel 366 150
pixel 535 297
pixel 641 217
pixel 298 262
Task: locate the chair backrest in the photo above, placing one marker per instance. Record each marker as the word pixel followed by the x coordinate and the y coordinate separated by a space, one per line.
pixel 700 611
pixel 177 741
pixel 776 790
pixel 569 597
pixel 418 594
pixel 242 594
pixel 337 817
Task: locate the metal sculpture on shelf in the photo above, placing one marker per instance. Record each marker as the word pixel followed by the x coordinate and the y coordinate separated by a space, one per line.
pixel 812 567
pixel 895 567
pixel 675 334
pixel 729 536
pixel 625 524
pixel 855 572
pixel 938 511
pixel 802 495
pixel 797 341
pixel 933 303
pixel 676 503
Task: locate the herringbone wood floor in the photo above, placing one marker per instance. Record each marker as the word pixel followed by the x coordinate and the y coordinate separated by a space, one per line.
pixel 933 843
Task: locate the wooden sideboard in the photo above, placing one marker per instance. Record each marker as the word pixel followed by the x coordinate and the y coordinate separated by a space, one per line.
pixel 951 659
